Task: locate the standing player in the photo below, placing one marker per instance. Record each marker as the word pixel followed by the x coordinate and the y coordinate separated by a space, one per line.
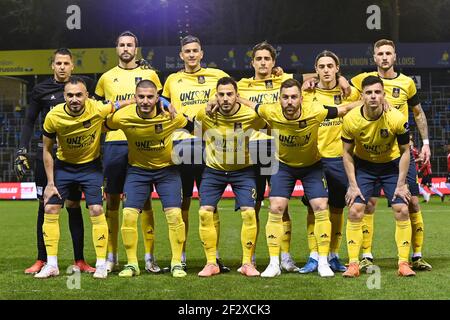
pixel 149 134
pixel 228 162
pixel 77 126
pixel 119 83
pixel 295 127
pixel 376 150
pixel 264 88
pixel 328 93
pixel 448 167
pixel 401 93
pixel 189 91
pixel 44 97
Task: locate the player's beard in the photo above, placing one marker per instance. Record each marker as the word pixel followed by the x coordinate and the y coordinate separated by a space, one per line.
pixel 127 60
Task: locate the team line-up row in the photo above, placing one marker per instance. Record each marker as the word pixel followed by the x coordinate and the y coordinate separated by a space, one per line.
pixel 355 143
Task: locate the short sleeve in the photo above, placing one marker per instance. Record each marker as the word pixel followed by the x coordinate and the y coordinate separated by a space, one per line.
pixel 154 77
pixel 346 133
pixel 49 128
pixel 357 80
pixel 99 89
pixel 166 89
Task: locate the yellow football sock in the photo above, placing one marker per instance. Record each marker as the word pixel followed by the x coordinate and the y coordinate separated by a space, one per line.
pixel 310 224
pixel 130 233
pixel 248 234
pixel 322 231
pixel 148 230
pixel 216 220
pixel 100 235
pixel 367 230
pixel 274 233
pixel 354 237
pixel 112 219
pixel 337 226
pixel 286 238
pixel 50 229
pixel 403 239
pixel 417 231
pixel 258 226
pixel 177 234
pixel 208 235
pixel 185 215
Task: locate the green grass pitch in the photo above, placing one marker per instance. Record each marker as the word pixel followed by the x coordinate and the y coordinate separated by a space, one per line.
pixel 18 251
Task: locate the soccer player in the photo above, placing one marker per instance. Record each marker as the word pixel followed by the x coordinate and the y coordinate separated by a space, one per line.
pixel 425 169
pixel 119 83
pixel 189 91
pixel 376 150
pixel 328 93
pixel 149 133
pixel 295 128
pixel 44 97
pixel 77 126
pixel 264 88
pixel 228 162
pixel 415 155
pixel 401 93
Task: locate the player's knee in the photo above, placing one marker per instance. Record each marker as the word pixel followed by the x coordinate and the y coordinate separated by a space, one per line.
pixel 130 217
pixel 413 205
pixel 206 216
pixel 52 208
pixel 95 210
pixel 370 207
pixel 248 216
pixel 319 204
pixel 175 223
pixel 401 212
pixel 70 204
pixel 355 213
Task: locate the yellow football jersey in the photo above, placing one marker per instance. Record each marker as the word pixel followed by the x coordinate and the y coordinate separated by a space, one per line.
pixel 375 140
pixel 149 140
pixel 78 137
pixel 400 91
pixel 227 138
pixel 330 143
pixel 296 140
pixel 262 92
pixel 120 84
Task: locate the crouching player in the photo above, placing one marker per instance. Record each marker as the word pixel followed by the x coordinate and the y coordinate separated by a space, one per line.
pixel 149 134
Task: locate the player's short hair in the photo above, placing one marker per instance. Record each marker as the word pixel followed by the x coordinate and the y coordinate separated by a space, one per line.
pixel 227 80
pixel 146 84
pixel 383 42
pixel 327 53
pixel 289 83
pixel 128 33
pixel 264 46
pixel 63 52
pixel 189 39
pixel 75 80
pixel 370 80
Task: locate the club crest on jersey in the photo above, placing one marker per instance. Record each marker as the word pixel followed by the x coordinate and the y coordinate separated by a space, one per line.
pixel 384 133
pixel 201 79
pixel 269 84
pixel 337 99
pixel 137 79
pixel 87 123
pixel 302 124
pixel 396 92
pixel 158 128
pixel 237 126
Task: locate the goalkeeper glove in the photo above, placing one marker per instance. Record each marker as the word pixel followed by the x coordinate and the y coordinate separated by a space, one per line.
pixel 21 163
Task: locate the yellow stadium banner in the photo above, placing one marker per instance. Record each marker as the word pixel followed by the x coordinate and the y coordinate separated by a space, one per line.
pixel 31 62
